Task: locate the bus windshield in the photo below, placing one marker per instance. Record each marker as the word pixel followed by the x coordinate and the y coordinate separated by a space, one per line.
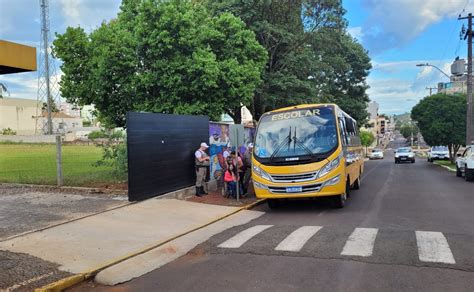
pixel 301 132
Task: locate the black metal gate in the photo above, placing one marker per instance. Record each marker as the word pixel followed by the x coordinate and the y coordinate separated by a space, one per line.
pixel 161 152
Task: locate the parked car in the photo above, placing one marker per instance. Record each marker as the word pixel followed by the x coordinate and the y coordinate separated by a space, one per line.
pixel 438 153
pixel 404 154
pixel 376 154
pixel 465 164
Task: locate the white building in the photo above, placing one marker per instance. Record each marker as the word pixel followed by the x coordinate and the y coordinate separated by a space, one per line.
pixel 62 123
pixel 70 109
pixel 373 109
pixel 25 118
pixel 19 115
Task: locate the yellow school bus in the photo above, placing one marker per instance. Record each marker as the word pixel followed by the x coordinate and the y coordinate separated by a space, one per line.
pixel 306 151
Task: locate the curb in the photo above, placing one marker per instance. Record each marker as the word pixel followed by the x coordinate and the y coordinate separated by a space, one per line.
pixel 69 188
pixel 444 166
pixel 78 278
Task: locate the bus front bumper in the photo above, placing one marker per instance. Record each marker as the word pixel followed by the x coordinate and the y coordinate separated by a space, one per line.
pixel 330 187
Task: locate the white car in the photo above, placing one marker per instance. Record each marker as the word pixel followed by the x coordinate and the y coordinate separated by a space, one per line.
pixel 438 153
pixel 376 154
pixel 404 154
pixel 465 164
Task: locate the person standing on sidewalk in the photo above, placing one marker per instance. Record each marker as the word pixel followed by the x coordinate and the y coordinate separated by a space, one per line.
pixel 203 161
pixel 247 167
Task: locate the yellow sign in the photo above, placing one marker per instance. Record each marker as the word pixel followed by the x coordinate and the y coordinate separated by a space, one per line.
pixel 296 114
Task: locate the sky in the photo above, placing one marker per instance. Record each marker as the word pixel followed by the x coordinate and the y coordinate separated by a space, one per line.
pixel 398 34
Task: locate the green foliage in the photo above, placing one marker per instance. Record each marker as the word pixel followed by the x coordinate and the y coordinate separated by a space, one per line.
pixel 86 123
pixel 311 57
pixel 408 130
pixel 441 119
pixel 101 134
pixel 8 131
pixel 54 107
pixel 366 138
pixel 398 125
pixel 114 152
pixel 161 56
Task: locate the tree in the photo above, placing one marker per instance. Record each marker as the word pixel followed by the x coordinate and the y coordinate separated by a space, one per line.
pixel 408 130
pixel 161 56
pixel 311 57
pixel 54 107
pixel 340 72
pixel 3 89
pixel 366 139
pixel 441 119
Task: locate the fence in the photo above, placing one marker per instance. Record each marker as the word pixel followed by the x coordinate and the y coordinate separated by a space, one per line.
pixel 33 160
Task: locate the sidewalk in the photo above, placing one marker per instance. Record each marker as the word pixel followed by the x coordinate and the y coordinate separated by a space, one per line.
pixel 91 242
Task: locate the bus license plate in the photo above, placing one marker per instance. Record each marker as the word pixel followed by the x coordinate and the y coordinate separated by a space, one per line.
pixel 294 189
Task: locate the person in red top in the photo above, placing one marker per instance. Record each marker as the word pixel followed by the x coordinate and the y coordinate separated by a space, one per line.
pixel 231 179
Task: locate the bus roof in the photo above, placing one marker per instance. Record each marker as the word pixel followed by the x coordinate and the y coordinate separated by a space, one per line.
pixel 303 106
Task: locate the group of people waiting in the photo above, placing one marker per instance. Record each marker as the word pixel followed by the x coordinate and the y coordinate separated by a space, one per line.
pixel 237 171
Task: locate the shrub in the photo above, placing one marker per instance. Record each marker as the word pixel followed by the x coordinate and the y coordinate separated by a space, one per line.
pixel 98 135
pixel 8 131
pixel 114 152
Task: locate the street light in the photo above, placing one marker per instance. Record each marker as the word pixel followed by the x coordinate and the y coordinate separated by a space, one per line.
pixel 430 65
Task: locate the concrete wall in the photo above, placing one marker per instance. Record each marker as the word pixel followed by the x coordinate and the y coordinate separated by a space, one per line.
pixel 28 139
pixel 18 115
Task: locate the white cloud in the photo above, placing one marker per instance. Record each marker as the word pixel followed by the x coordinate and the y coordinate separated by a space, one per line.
pixel 25 85
pixel 392 23
pixel 88 13
pixel 356 32
pixel 70 9
pixel 22 85
pixel 397 92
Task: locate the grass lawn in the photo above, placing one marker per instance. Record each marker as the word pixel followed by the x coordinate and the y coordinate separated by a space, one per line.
pixel 36 164
pixel 447 163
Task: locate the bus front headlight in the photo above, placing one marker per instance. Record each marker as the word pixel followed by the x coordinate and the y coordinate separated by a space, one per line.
pixel 330 166
pixel 261 173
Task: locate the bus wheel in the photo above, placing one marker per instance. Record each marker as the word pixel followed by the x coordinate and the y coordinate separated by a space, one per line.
pixel 339 201
pixel 273 203
pixel 348 187
pixel 356 185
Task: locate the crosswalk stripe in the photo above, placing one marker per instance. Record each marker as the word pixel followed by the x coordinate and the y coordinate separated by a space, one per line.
pixel 297 239
pixel 242 237
pixel 360 242
pixel 433 247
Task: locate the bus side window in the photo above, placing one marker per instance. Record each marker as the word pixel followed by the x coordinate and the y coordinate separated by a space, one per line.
pixel 344 136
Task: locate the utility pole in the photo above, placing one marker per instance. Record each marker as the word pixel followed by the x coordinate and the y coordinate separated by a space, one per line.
pixel 45 32
pixel 48 94
pixel 431 88
pixel 469 122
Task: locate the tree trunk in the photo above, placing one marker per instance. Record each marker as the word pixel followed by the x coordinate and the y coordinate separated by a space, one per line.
pixel 257 106
pixel 453 150
pixel 236 115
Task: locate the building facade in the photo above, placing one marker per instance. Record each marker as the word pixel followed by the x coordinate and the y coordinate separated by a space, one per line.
pixel 19 115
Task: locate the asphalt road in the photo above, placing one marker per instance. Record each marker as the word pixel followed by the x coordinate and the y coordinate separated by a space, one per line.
pixel 409 228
